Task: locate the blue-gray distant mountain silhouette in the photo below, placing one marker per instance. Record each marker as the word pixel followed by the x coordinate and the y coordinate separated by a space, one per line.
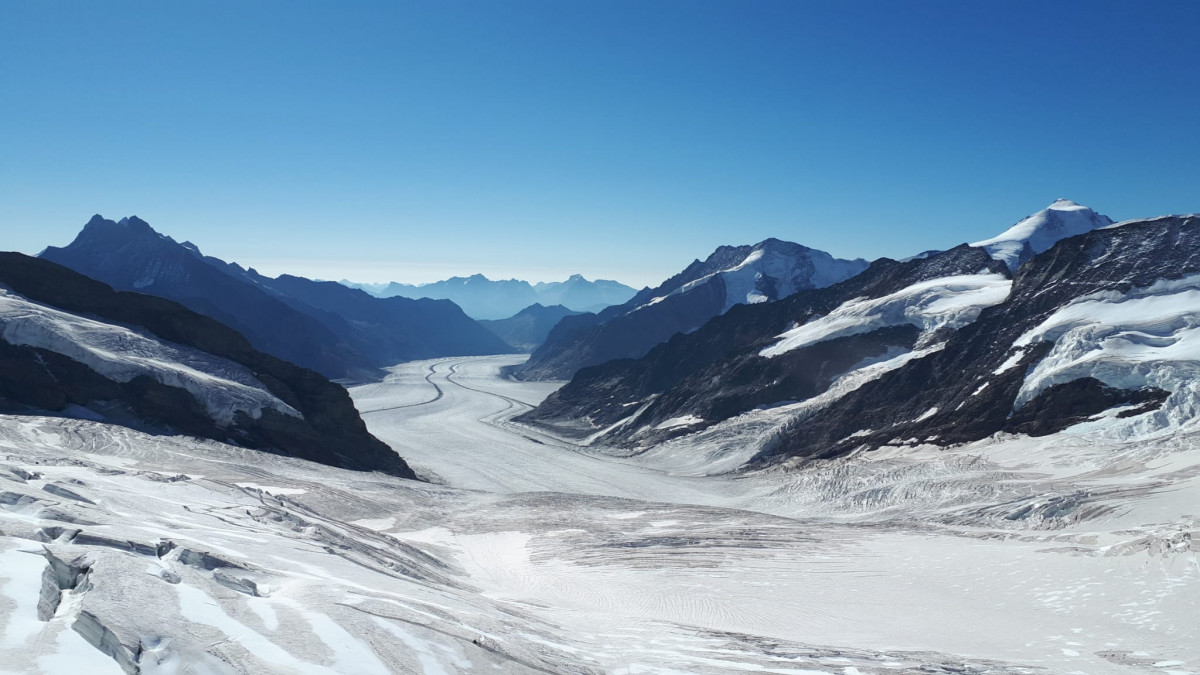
pixel 732 275
pixel 338 331
pixel 529 327
pixel 483 298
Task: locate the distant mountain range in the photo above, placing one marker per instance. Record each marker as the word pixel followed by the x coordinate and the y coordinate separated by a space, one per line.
pixel 483 298
pixel 340 332
pixel 732 275
pixel 528 328
pixel 73 346
pixel 1041 328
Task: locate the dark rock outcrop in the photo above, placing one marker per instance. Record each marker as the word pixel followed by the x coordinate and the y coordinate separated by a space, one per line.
pixel 716 372
pixel 330 432
pixel 895 407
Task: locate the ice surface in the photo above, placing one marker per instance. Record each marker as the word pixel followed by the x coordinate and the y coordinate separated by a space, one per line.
pixel 1063 554
pixel 948 302
pixel 121 354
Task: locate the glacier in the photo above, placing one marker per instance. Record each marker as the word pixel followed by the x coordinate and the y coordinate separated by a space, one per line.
pixel 528 554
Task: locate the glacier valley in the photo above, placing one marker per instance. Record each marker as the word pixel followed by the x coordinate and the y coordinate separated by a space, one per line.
pixel 525 552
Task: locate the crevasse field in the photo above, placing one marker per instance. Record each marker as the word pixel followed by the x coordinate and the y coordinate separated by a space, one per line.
pixel 125 552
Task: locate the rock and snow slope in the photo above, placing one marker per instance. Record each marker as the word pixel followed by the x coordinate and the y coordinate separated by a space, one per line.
pixel 731 276
pixel 1097 323
pixel 930 306
pixel 70 345
pixel 119 353
pixel 807 345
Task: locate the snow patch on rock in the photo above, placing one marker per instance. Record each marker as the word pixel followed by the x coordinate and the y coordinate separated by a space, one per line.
pixel 948 302
pixel 1148 337
pixel 122 354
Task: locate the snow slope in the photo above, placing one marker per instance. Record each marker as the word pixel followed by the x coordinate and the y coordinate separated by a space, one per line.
pixel 774 269
pixel 1038 232
pixel 121 354
pixel 948 302
pixel 1147 337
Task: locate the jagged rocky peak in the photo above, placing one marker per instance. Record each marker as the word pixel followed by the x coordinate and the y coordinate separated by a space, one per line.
pixel 1038 232
pixel 100 230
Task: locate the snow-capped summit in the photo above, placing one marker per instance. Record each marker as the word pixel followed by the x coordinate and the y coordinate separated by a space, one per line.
pixel 773 269
pixel 1038 232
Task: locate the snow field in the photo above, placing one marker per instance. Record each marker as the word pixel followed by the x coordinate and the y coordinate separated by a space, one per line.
pixel 949 302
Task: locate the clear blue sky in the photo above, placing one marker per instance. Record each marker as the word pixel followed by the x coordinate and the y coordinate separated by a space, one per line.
pixel 412 141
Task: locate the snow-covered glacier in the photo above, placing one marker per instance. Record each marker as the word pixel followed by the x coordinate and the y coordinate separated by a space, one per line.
pixel 127 552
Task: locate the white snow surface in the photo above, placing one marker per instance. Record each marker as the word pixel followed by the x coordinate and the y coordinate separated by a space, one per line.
pixel 1148 337
pixel 778 261
pixel 1070 553
pixel 929 305
pixel 121 353
pixel 1064 218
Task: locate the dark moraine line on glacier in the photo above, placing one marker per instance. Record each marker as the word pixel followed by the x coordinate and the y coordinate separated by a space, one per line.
pixel 428 378
pixel 465 439
pixel 505 423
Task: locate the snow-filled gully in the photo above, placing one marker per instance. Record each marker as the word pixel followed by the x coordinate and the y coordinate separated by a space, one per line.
pixel 531 555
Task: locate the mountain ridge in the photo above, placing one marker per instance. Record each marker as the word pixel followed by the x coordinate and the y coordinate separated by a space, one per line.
pixel 731 275
pixel 305 415
pixel 290 317
pixel 495 299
